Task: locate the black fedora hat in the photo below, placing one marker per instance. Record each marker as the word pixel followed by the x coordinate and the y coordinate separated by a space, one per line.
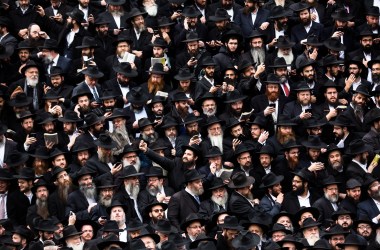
pixel 231 34
pixel 291 239
pixel 277 227
pixel 70 231
pixel 157 99
pixel 83 171
pixel 45 118
pixel 157 145
pixel 255 34
pixel 309 222
pixel 184 74
pixel 137 96
pixel 105 141
pixel 25 44
pixel 144 122
pixel 291 144
pixel 150 206
pixel 163 226
pixel 234 96
pixel 284 42
pixel 213 120
pixel 191 118
pixel 123 38
pixel 342 121
pixel 55 71
pixel 164 22
pixel 363 219
pixel 366 31
pixel 242 148
pixel 137 244
pixel 312 40
pixel 372 11
pixel 279 62
pixel 373 61
pixel 20 100
pixel 372 116
pixel 266 149
pixel 335 230
pixel 111 226
pixel 314 141
pixel 369 179
pixel 357 146
pixel 214 151
pixel 220 15
pixel 49 44
pixel 206 96
pixel 55 152
pixel 134 13
pixel 159 42
pixel 342 211
pixel 24 232
pixel 41 153
pixel 46 226
pixel 259 121
pixel 81 145
pixel 70 116
pixel 312 122
pixel 81 91
pixel 117 113
pixel 130 149
pixel 217 183
pixel 354 240
pixel 240 180
pixel 129 171
pixel 108 94
pixel 93 72
pixel 91 119
pixel 313 210
pixel 244 64
pixel 125 69
pixel 30 64
pixel 191 11
pixel 305 63
pixel 116 2
pixel 191 36
pixel 208 61
pixel 321 245
pixel 233 122
pixel 329 84
pixel 334 44
pixel 342 15
pixel 271 179
pixel 25 173
pixel 192 217
pixel 279 11
pixel 361 89
pixel 16 158
pixel 299 6
pixel 284 120
pixel 272 79
pixel 111 239
pixel 101 19
pixel 56 171
pixel 352 183
pixel 76 14
pixel 155 172
pixel 246 240
pixel 135 224
pixel 106 183
pixel 329 180
pixel 88 42
pixel 168 122
pixel 231 222
pixel 192 175
pixel 302 86
pixel 180 96
pixel 116 203
pixel 304 174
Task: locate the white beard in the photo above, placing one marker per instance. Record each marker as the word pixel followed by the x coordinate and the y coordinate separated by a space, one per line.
pixel 76 247
pixel 32 82
pixel 217 140
pixel 151 10
pixel 312 239
pixel 288 58
pixel 280 2
pixel 220 201
pixel 137 165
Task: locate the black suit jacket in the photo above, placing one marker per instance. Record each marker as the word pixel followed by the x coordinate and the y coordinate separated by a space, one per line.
pixel 78 203
pixel 180 206
pixel 355 171
pixel 325 210
pixel 112 24
pixel 291 203
pixel 17 205
pixel 298 33
pixel 245 21
pixel 102 169
pixel 240 206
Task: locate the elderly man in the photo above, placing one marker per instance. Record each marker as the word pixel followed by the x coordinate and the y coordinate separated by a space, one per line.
pixel 72 237
pixel 117 212
pixel 91 78
pixel 192 226
pixel 217 202
pixel 40 210
pixel 106 193
pixel 58 200
pixel 310 231
pixel 120 133
pixel 186 201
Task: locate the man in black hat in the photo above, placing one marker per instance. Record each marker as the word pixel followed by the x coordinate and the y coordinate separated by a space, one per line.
pixel 353 195
pixel 359 152
pixel 327 109
pixel 231 228
pixel 331 65
pixel 273 198
pixel 103 161
pixel 342 128
pixel 72 238
pixel 93 127
pixel 368 50
pixel 147 130
pixel 257 52
pixel 365 227
pixel 23 236
pixel 156 81
pixel 230 53
pixel 218 200
pixel 40 210
pixel 119 130
pixel 103 38
pixel 169 135
pixel 45 230
pixel 185 84
pixel 122 83
pixel 372 137
pixel 235 104
pixel 192 133
pixel 310 231
pixel 208 82
pixel 369 207
pixel 155 191
pixel 283 134
pixel 344 218
pixel 181 108
pixel 106 191
pixel 116 16
pixel 90 83
pixel 50 57
pixel 186 201
pixel 58 87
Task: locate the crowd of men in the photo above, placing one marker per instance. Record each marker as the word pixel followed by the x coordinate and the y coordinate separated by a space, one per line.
pixel 189 124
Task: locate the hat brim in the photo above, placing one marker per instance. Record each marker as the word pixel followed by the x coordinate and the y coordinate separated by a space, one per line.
pixel 309 145
pixel 366 148
pixel 106 146
pixel 276 180
pixel 250 180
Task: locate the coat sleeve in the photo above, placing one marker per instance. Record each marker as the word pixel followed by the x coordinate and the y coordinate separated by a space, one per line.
pixel 174 211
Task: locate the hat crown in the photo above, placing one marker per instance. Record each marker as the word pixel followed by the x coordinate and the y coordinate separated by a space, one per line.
pixel 69 230
pixel 283 41
pixel 191 35
pixel 89 41
pixel 190 11
pixel 221 12
pixel 191 175
pixel 56 70
pixel 105 139
pixel 50 43
pixel 71 115
pixel 110 225
pixel 272 78
pixel 184 72
pixel 155 171
pixel 230 221
pixel 279 61
pixel 27 172
pixel 356 144
pixel 163 225
pixel 143 122
pixel 239 178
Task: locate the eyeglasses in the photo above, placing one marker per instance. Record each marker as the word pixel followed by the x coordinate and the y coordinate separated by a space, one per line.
pixel 364 227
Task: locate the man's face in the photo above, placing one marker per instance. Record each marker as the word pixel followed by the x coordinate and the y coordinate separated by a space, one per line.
pixel 158 52
pixel 257 42
pixel 335 159
pixel 227 4
pixel 335 240
pixel 255 131
pixel 217 160
pixel 182 106
pixel 209 107
pixel 138 22
pixel 185 85
pixel 305 17
pixel 156 79
pixel 69 127
pixel 84 3
pixel 188 156
pixel 236 131
pixel 331 192
pixel 293 154
pixel 192 47
pixel 42 193
pixel 32 73
pixel 364 230
pixel 85 181
pixel 276 189
pixel 359 99
pixel 209 71
pixel 297 183
pixel 34 32
pixel 90 80
pixel 194 229
pixel 345 221
pixel 232 45
pixel 373 21
pixel 102 29
pixel 117 214
pixel 214 129
pixel 47 235
pixel 59 161
pixel 245 160
pixel 282 23
pixel 83 101
pixel 340 24
pixel 366 42
pixel 338 132
pixel 221 24
pixel 308 73
pixel 27 124
pixel 373 190
pixel 130 158
pixel 354 193
pixel 311 233
pixel 286 221
pixel 265 160
pixel 354 69
pixel 109 103
pixel 148 130
pixel 192 129
pixel 331 95
pixel 63 178
pixel 237 107
pixel 56 81
pixel 157 213
pixel 83 156
pixel 230 74
pixel 158 108
pixel 88 232
pixel 23 54
pixel 314 153
pixel 304 97
pixel 171 132
pixel 121 48
pixel 24 185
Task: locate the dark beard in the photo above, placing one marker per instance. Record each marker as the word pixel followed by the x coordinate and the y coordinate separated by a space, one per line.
pixel 151 138
pixel 183 113
pixel 292 163
pixel 367 49
pixel 63 193
pixel 188 164
pixel 375 78
pixel 299 191
pixel 42 208
pixel 282 139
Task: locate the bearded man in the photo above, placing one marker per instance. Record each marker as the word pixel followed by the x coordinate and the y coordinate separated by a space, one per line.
pixel 358 168
pixel 155 191
pixel 58 200
pixel 119 133
pixel 106 193
pixel 310 231
pixel 217 202
pixel 81 201
pixel 128 192
pixel 117 212
pixel 284 134
pixel 214 134
pixel 156 81
pixel 40 210
pixel 72 238
pixel 116 17
pixel 147 132
pixel 328 204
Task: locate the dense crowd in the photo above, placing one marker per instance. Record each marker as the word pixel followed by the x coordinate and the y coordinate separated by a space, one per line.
pixel 189 124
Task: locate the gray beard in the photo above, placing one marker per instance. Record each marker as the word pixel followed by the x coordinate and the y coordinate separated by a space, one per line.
pixel 89 192
pixel 312 239
pixel 331 199
pixel 117 13
pixel 217 141
pixel 220 201
pixel 133 191
pixel 31 82
pixel 151 138
pixel 104 202
pixel 76 247
pixel 137 165
pixel 288 58
pixel 151 10
pixel 211 113
pixel 153 191
pixel 258 55
pixel 104 158
pixel 42 208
